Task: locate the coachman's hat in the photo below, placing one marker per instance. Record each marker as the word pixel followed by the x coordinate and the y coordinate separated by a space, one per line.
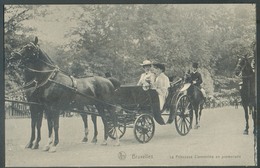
pixel 146 62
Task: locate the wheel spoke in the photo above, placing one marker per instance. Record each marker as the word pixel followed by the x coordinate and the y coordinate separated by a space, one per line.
pixel 186 125
pixel 113 131
pixel 121 131
pixel 186 119
pixel 140 136
pixel 183 122
pixel 147 134
pixel 180 125
pixel 178 119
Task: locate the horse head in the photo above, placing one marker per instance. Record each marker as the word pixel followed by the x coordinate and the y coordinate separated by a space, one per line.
pixel 244 66
pixel 31 56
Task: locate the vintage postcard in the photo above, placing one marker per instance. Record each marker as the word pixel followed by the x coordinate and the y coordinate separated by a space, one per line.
pixel 130 85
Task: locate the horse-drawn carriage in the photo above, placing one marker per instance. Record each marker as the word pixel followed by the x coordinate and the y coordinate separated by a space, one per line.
pixel 52 90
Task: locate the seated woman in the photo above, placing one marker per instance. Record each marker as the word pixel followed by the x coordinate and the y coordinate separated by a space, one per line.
pixel 161 83
pixel 147 78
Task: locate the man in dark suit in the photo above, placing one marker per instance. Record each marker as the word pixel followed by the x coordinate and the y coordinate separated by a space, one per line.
pixel 196 78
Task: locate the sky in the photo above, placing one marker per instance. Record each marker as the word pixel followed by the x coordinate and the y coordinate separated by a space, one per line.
pixel 52 28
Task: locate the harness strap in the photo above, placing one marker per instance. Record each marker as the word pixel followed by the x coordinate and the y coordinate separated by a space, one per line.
pixel 52 76
pixel 69 87
pixel 74 82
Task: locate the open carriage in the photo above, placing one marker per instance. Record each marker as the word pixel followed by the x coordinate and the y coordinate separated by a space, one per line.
pixel 139 109
pixel 51 90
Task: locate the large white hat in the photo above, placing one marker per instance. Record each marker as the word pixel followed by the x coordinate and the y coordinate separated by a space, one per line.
pixel 146 62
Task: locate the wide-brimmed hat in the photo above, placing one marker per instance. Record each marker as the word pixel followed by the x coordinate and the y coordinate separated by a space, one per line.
pixel 160 66
pixel 195 65
pixel 146 62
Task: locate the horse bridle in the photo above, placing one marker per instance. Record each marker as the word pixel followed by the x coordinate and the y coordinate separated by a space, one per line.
pixel 54 68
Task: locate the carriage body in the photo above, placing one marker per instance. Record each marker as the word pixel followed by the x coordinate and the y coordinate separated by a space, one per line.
pixel 138 108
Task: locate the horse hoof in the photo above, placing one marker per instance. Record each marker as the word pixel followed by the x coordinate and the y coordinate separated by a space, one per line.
pixel 104 143
pixel 117 144
pixel 169 121
pixel 84 140
pixel 52 149
pixel 94 140
pixel 29 145
pixel 46 148
pixel 36 146
pixel 245 133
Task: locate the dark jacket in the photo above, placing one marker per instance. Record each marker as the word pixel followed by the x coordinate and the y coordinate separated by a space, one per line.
pixel 196 77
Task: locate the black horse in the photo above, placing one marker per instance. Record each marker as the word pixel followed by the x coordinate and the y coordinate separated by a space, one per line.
pixel 196 97
pixel 245 69
pixel 56 91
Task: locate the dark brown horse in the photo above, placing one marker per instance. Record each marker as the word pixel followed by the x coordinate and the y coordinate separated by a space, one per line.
pixel 196 98
pixel 56 91
pixel 244 68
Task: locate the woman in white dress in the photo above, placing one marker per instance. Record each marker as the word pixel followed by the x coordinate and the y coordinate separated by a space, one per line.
pixel 161 83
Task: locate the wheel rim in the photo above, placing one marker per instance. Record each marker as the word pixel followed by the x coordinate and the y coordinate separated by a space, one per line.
pixel 183 116
pixel 144 128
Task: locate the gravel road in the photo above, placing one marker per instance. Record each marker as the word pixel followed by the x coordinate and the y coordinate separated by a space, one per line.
pixel 218 142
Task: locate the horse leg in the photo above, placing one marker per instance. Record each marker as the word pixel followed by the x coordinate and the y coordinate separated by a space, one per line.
pixel 94 120
pixel 191 114
pixel 196 126
pixel 105 131
pixel 38 126
pixel 200 111
pixel 33 124
pixel 50 129
pixel 85 121
pixel 246 117
pixel 56 131
pixel 100 110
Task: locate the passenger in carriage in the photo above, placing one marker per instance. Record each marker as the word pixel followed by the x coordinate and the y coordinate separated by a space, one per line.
pixel 147 78
pixel 161 83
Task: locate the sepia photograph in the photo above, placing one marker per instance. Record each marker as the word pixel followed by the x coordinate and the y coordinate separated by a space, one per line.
pixel 112 85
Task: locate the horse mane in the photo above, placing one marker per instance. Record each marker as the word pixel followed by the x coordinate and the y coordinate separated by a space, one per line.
pixel 46 56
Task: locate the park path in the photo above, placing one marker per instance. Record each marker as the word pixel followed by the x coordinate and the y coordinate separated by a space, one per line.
pixel 218 142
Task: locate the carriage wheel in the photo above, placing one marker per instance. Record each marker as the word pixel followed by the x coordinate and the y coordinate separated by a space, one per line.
pixel 183 115
pixel 121 128
pixel 144 128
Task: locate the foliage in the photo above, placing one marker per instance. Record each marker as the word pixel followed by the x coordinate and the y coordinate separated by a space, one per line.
pixel 117 38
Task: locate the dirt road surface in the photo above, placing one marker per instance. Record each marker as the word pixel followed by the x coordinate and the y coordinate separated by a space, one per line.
pixel 218 142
